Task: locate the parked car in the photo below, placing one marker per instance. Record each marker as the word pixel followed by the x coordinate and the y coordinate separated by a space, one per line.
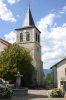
pixel 4 83
pixel 5 90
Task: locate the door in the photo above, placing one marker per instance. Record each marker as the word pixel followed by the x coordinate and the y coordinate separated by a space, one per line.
pixel 65 86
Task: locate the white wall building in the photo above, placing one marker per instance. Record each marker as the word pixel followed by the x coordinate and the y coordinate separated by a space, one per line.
pixel 59 74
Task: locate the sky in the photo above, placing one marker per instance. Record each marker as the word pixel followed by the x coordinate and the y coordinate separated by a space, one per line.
pixel 50 18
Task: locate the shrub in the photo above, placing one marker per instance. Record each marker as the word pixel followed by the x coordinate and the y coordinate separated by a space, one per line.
pixel 56 92
pixel 5 93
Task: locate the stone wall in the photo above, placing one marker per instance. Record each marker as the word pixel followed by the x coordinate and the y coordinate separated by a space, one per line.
pixel 34 48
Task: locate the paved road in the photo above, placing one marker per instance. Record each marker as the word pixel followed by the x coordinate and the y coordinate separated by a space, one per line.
pixel 36 95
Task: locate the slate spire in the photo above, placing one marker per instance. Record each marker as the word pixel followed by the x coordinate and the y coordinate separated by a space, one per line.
pixel 28 21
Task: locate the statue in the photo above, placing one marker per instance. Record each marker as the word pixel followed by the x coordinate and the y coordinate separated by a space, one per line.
pixel 18 91
pixel 18 80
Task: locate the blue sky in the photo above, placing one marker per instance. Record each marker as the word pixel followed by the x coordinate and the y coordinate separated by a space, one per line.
pixel 49 17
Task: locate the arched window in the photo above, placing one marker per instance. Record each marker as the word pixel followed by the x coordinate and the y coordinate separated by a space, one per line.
pixel 21 37
pixel 36 37
pixel 27 36
pixel 65 71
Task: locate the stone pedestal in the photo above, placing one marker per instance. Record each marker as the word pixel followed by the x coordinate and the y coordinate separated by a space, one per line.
pixel 20 92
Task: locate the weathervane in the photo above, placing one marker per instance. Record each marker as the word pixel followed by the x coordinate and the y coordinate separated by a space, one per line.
pixel 29 3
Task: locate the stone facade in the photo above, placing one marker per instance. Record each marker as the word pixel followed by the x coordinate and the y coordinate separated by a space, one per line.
pixel 33 46
pixel 28 36
pixel 59 74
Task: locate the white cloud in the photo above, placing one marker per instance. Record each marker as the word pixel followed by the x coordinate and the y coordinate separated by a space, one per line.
pixel 60 12
pixel 45 22
pixel 60 33
pixel 12 1
pixel 63 10
pixel 10 37
pixel 53 40
pixel 5 13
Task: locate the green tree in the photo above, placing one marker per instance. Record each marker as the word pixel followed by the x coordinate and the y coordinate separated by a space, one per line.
pixel 48 79
pixel 14 59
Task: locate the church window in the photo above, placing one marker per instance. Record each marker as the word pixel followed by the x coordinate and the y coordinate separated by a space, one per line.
pixel 65 71
pixel 21 37
pixel 36 37
pixel 27 36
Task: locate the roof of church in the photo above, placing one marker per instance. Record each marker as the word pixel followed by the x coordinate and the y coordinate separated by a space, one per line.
pixel 27 27
pixel 28 21
pixel 5 42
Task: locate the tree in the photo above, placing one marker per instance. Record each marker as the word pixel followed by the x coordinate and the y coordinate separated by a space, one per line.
pixel 14 59
pixel 48 80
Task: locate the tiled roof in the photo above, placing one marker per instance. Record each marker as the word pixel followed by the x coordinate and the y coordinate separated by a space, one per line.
pixel 5 42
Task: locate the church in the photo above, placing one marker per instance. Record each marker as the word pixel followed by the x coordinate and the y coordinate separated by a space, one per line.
pixel 28 36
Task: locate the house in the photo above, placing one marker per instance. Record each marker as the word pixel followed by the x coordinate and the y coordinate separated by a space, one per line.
pixel 4 44
pixel 59 74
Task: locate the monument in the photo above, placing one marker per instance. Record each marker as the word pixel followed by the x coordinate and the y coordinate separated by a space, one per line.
pixel 18 80
pixel 18 90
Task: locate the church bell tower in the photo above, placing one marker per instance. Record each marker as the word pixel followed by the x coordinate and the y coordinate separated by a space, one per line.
pixel 28 36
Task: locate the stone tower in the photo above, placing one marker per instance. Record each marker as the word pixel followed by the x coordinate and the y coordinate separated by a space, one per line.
pixel 28 36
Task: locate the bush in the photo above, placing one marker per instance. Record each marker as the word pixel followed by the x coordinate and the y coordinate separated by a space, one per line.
pixel 56 92
pixel 5 93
